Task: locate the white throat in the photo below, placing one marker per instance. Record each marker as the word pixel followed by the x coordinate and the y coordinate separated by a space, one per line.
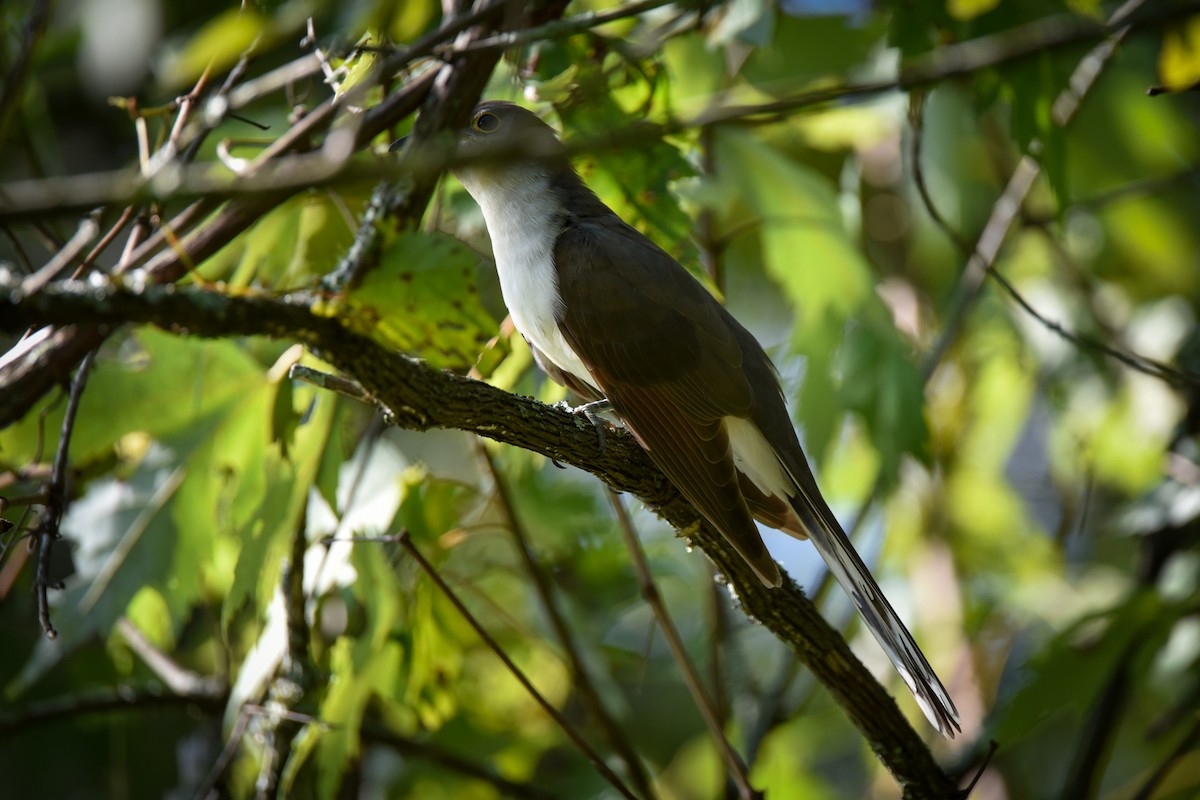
pixel 522 216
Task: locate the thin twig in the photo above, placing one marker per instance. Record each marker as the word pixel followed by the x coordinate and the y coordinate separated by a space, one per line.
pixel 653 599
pixel 1185 746
pixel 178 679
pixel 56 501
pixel 207 788
pixel 430 753
pixel 89 229
pixel 106 701
pixel 557 29
pixel 25 199
pixel 1149 366
pixel 1006 209
pixel 19 250
pixel 1145 186
pixel 15 83
pixel 583 681
pixel 406 542
pixel 365 247
pixel 327 380
pixel 105 241
pixel 293 675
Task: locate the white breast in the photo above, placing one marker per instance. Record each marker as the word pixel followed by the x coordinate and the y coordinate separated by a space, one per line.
pixel 522 221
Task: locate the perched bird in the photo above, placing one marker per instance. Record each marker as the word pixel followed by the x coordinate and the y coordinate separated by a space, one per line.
pixel 612 316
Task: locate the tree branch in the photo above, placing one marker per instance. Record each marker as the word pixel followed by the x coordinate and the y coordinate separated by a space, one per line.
pixel 124 698
pixel 429 753
pixel 415 396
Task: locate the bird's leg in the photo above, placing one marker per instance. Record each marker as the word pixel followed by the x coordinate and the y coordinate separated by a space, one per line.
pixel 591 412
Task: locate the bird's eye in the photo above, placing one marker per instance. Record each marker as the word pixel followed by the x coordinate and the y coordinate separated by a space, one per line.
pixel 487 122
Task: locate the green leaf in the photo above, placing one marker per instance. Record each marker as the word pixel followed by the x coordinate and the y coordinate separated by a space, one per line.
pixel 422 299
pixel 153 383
pixel 635 182
pixel 316 230
pixel 123 540
pixel 969 9
pixel 1068 673
pixel 216 46
pixel 694 74
pixel 268 490
pixel 410 18
pixel 361 63
pixel 808 48
pixel 916 26
pixel 805 247
pixel 881 383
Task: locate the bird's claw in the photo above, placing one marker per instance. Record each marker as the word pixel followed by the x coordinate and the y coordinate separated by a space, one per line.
pixel 591 412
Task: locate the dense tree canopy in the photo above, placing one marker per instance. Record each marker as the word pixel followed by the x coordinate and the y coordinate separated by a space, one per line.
pixel 289 511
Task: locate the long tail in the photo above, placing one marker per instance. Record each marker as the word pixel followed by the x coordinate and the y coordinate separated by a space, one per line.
pixel 846 565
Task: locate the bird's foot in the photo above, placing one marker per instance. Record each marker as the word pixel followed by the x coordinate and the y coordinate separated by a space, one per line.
pixel 591 412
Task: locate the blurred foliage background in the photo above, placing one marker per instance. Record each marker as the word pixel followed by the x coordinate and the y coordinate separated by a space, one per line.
pixel 1021 460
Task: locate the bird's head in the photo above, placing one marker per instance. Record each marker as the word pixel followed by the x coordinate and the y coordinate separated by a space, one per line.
pixel 506 144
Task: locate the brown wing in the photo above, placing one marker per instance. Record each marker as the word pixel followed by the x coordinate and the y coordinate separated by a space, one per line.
pixel 674 363
pixel 664 354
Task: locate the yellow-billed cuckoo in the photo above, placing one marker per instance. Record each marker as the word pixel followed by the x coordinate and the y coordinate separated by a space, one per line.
pixel 611 316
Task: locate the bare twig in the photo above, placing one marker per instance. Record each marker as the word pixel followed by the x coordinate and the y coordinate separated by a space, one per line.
pixel 14 82
pixel 365 247
pixel 1098 735
pixel 294 675
pixel 704 705
pixel 1141 363
pixel 19 250
pixel 1188 743
pixel 25 199
pixel 56 498
pixel 966 58
pixel 557 29
pixel 125 698
pixel 1007 208
pixel 432 754
pixel 89 229
pixel 207 788
pixel 1144 186
pixel 583 681
pixel 583 747
pixel 105 241
pixel 179 680
pixel 327 380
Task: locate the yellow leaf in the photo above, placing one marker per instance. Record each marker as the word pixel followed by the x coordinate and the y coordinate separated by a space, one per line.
pixel 410 19
pixel 969 9
pixel 219 44
pixel 1179 59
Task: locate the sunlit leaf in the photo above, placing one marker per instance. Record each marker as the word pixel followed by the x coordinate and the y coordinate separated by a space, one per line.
pixel 411 18
pixel 1179 59
pixel 422 299
pixel 178 379
pixel 969 9
pixel 216 46
pixel 317 229
pixel 805 247
pixel 881 382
